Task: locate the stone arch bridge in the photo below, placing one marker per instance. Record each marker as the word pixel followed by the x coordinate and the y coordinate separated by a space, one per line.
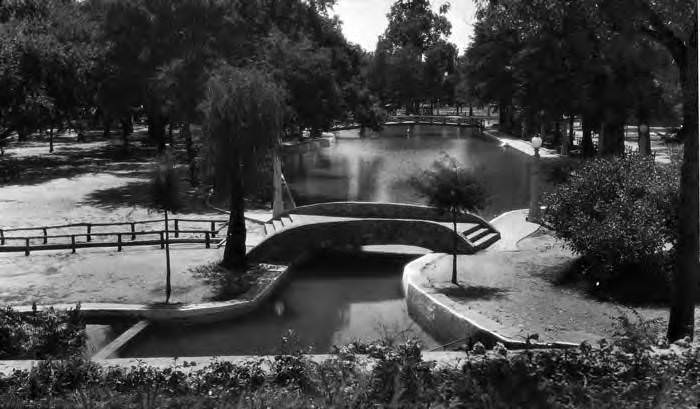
pixel 343 225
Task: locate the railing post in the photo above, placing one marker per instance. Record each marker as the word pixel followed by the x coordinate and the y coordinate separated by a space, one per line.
pixel 2 238
pixel 162 242
pixel 119 242
pixel 72 242
pixel 89 228
pixel 45 238
pixel 213 228
pixel 133 232
pixel 207 240
pixel 26 247
pixel 177 233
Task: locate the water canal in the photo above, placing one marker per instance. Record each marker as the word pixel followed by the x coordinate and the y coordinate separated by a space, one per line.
pixel 334 300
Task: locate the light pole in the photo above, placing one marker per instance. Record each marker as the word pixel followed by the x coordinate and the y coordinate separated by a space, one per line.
pixel 533 215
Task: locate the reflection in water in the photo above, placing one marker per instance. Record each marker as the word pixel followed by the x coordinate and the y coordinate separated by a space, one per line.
pixel 334 300
pixel 376 167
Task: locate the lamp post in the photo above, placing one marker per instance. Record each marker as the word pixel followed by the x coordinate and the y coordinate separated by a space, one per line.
pixel 533 215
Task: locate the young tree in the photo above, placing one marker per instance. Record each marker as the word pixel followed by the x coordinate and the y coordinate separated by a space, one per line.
pixel 243 116
pixel 166 197
pixel 451 188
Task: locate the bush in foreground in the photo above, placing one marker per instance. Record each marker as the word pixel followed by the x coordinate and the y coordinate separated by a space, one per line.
pixel 619 213
pixel 42 334
pixel 614 375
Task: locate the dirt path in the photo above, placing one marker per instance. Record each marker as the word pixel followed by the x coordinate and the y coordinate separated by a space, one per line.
pixel 94 182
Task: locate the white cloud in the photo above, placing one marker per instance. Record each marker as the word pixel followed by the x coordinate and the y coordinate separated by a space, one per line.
pixel 365 20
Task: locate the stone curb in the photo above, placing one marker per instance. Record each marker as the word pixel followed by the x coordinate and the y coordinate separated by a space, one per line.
pixel 445 323
pixel 199 312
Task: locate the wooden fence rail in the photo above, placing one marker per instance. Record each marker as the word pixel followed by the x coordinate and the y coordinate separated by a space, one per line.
pixel 118 239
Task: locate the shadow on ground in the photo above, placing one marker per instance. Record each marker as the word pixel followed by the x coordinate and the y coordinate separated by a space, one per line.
pixel 475 292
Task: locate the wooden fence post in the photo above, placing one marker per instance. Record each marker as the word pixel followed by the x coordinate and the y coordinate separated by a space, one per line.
pixel 133 232
pixel 72 242
pixel 26 247
pixel 207 240
pixel 119 242
pixel 177 233
pixel 45 239
pixel 213 228
pixel 162 242
pixel 2 238
pixel 89 228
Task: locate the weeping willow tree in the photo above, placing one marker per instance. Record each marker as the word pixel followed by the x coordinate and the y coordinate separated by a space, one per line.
pixel 243 119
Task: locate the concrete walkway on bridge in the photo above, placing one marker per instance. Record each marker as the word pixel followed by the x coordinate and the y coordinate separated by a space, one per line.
pixel 356 224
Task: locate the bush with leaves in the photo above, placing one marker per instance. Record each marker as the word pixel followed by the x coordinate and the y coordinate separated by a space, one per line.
pixel 619 214
pixel 41 334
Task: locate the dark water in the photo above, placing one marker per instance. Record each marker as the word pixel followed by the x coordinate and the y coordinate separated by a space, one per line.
pixel 337 300
pixel 334 300
pixel 377 167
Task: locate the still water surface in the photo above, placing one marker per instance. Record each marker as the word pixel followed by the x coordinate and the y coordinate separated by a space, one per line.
pixel 336 300
pixel 377 168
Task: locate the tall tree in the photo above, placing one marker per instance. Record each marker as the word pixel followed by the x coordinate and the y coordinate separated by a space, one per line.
pixel 674 25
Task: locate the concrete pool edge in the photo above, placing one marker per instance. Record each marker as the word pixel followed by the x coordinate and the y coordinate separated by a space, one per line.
pixel 194 363
pixel 196 312
pixel 438 318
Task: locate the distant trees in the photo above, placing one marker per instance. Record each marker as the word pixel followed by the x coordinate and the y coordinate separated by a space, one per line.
pixel 543 61
pixel 413 58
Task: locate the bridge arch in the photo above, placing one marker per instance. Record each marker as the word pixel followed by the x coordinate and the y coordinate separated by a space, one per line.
pixel 297 241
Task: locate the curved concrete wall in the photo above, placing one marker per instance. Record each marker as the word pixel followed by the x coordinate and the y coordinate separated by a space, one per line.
pixel 444 323
pixel 381 210
pixel 297 241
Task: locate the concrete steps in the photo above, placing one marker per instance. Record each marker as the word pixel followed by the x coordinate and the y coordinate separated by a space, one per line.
pixel 276 225
pixel 486 240
pixel 481 236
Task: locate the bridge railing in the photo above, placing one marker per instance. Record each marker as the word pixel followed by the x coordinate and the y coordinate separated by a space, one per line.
pixel 66 237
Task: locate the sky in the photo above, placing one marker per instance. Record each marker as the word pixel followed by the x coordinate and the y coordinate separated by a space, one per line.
pixel 365 20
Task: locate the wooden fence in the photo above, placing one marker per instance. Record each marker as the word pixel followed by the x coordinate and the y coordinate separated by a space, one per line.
pixel 89 238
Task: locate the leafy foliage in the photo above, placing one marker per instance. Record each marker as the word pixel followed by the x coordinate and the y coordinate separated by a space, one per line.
pixel 46 334
pixel 619 213
pixel 611 375
pixel 450 187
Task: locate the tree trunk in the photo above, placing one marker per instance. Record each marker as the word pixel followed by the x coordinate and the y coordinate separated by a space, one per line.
pixel 106 127
pixel 454 248
pixel 471 109
pixel 613 138
pixel 644 143
pixel 587 147
pixel 235 251
pixel 167 260
pixel 277 200
pixel 685 280
pixel 126 130
pixel 51 139
pixel 186 133
pixel 156 130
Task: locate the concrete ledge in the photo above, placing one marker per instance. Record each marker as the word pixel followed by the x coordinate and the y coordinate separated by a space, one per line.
pixel 189 364
pixel 200 312
pixel 435 315
pixel 121 341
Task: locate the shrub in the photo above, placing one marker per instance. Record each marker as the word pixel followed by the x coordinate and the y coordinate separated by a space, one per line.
pixel 605 377
pixel 41 334
pixel 619 214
